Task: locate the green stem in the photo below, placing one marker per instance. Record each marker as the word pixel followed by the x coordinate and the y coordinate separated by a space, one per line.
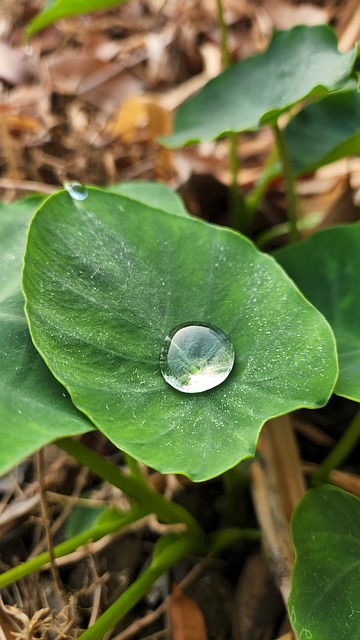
pixel 225 51
pixel 271 170
pixel 237 202
pixel 64 548
pixel 277 230
pixel 235 483
pixel 154 502
pixel 238 208
pixel 340 452
pixel 227 537
pixel 291 199
pixel 161 563
pixel 134 468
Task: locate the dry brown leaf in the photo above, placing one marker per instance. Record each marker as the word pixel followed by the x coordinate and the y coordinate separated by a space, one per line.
pixel 286 15
pixel 19 121
pixel 142 119
pixel 13 68
pixel 258 604
pixel 186 619
pixel 140 112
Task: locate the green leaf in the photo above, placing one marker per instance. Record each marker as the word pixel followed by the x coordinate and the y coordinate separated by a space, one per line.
pixel 325 598
pixel 298 63
pixel 326 268
pixel 324 132
pixel 34 408
pixel 56 9
pixel 108 278
pixel 82 518
pixel 153 194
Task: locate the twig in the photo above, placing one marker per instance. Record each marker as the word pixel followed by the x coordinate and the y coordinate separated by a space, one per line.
pixel 151 617
pixel 27 185
pixel 40 460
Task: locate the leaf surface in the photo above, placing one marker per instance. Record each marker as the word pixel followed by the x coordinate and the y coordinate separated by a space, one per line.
pixel 34 407
pixel 108 278
pixel 56 9
pixel 325 598
pixel 324 132
pixel 298 63
pixel 326 268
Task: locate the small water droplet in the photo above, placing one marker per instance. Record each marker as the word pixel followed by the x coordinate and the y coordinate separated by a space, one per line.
pixel 196 357
pixel 76 190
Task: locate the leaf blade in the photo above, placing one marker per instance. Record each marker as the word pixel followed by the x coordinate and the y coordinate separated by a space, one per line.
pixel 325 585
pixel 57 9
pixel 297 64
pixel 324 132
pixel 325 266
pixel 128 275
pixel 33 407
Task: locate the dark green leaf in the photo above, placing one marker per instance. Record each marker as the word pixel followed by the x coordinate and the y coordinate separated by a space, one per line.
pixel 324 132
pixel 325 598
pixel 34 408
pixel 57 9
pixel 106 279
pixel 326 267
pixel 297 64
pixel 83 517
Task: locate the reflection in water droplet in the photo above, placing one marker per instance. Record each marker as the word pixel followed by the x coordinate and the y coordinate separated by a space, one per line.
pixel 196 357
pixel 76 190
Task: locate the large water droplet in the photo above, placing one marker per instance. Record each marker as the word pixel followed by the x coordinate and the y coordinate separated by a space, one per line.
pixel 196 357
pixel 76 190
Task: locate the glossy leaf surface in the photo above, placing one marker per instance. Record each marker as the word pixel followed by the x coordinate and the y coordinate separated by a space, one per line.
pixel 255 91
pixel 324 132
pixel 326 268
pixel 325 597
pixel 34 408
pixel 57 9
pixel 106 279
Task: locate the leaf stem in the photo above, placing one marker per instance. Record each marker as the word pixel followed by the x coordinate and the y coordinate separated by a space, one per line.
pixel 224 538
pixel 134 468
pixel 291 199
pixel 225 51
pixel 166 510
pixel 284 228
pixel 238 207
pixel 340 452
pixel 235 484
pixel 70 545
pixel 160 563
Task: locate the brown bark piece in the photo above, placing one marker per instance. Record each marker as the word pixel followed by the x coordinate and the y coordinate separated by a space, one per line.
pixel 277 487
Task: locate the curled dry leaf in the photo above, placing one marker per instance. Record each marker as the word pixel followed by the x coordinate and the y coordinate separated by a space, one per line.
pixel 186 619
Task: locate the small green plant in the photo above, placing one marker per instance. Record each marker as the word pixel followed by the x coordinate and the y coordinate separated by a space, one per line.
pixel 111 277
